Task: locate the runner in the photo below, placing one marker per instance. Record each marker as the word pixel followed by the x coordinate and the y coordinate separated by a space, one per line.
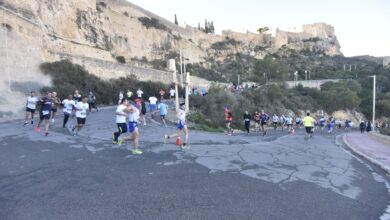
pixel 31 105
pixel 120 121
pixel 129 94
pixel 143 112
pixel 92 102
pixel 44 113
pixel 308 122
pixel 56 101
pixel 139 93
pixel 152 104
pixel 331 123
pixel 81 109
pixel 77 96
pixel 289 123
pixel 162 93
pixel 264 117
pixel 67 109
pixel 298 121
pixel 257 121
pixel 172 93
pixel 182 126
pixel 228 121
pixel 133 127
pixel 247 120
pixel 163 112
pixel 322 123
pixel 275 120
pixel 120 97
pixel 282 122
pixel 362 127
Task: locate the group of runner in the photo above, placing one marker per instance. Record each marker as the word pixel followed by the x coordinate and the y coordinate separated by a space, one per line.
pixel 262 120
pixel 73 104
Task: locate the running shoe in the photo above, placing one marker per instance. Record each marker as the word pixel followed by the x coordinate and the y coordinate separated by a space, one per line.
pixel 120 141
pixel 38 129
pixel 52 120
pixel 184 146
pixel 46 133
pixel 166 137
pixel 73 128
pixel 25 124
pixel 136 151
pixel 32 122
pixel 75 135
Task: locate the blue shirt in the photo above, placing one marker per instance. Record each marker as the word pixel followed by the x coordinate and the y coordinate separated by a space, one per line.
pixel 163 109
pixel 46 104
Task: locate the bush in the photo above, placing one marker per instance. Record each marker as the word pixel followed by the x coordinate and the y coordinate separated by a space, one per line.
pixel 226 44
pixel 120 59
pixel 152 23
pixel 68 77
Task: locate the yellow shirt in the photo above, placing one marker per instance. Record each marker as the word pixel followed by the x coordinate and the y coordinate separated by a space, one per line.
pixel 308 121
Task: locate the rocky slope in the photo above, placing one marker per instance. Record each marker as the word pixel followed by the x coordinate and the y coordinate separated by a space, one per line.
pixel 92 33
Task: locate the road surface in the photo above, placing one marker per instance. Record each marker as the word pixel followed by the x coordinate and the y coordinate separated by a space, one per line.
pixel 219 177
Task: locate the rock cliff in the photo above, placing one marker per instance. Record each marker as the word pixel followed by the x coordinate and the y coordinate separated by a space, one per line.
pixel 91 32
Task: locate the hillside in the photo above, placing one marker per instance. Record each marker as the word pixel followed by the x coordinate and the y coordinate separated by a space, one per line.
pixel 93 33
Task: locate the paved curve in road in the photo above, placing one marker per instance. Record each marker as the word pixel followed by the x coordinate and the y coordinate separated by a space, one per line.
pixel 219 177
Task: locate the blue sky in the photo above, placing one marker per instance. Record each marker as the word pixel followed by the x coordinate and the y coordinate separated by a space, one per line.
pixel 362 26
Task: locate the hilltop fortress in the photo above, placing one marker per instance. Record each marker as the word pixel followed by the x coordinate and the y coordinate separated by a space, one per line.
pixel 93 32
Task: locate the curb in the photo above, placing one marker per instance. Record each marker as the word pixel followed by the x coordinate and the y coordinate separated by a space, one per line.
pixel 372 160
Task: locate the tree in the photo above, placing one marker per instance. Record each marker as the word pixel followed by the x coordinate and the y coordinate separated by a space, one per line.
pixel 263 30
pixel 206 26
pixel 212 29
pixel 176 22
pixel 199 26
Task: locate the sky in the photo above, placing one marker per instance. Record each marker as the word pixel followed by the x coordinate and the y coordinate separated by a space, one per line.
pixel 361 26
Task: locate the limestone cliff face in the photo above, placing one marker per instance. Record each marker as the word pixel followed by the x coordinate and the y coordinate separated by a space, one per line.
pixel 91 32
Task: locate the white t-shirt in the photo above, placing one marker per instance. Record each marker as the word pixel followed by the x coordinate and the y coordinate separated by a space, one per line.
pixel 275 118
pixel 153 100
pixel 172 92
pixel 121 118
pixel 139 93
pixel 81 110
pixel 134 116
pixel 68 105
pixel 289 120
pixel 32 102
pixel 181 115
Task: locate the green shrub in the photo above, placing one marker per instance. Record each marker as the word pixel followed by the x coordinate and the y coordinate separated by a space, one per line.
pixel 67 77
pixel 120 59
pixel 152 23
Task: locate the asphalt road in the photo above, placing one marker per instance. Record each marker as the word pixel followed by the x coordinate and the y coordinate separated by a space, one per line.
pixel 219 177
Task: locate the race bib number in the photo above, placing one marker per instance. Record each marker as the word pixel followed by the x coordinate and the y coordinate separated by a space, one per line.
pixel 45 112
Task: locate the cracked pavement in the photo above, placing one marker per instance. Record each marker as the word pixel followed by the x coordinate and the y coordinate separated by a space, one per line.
pixel 219 177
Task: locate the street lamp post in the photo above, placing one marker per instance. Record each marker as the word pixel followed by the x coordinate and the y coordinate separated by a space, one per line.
pixel 373 101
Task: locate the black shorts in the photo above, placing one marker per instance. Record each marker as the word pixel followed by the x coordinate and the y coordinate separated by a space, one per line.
pixel 54 109
pixel 309 130
pixel 44 117
pixel 274 123
pixel 81 121
pixel 263 123
pixel 228 122
pixel 289 125
pixel 257 121
pixel 143 112
pixel 30 110
pixel 122 127
pixel 162 116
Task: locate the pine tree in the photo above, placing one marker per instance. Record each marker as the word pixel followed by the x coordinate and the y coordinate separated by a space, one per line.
pixel 212 29
pixel 206 26
pixel 176 22
pixel 199 26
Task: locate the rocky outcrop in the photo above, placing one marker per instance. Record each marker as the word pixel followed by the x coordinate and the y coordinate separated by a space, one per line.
pixel 100 30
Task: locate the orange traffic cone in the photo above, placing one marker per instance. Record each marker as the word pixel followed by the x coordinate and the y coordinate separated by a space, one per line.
pixel 178 141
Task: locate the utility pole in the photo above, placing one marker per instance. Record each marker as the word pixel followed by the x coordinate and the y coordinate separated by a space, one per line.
pixel 238 79
pixel 306 75
pixel 181 68
pixel 172 67
pixel 187 98
pixel 373 102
